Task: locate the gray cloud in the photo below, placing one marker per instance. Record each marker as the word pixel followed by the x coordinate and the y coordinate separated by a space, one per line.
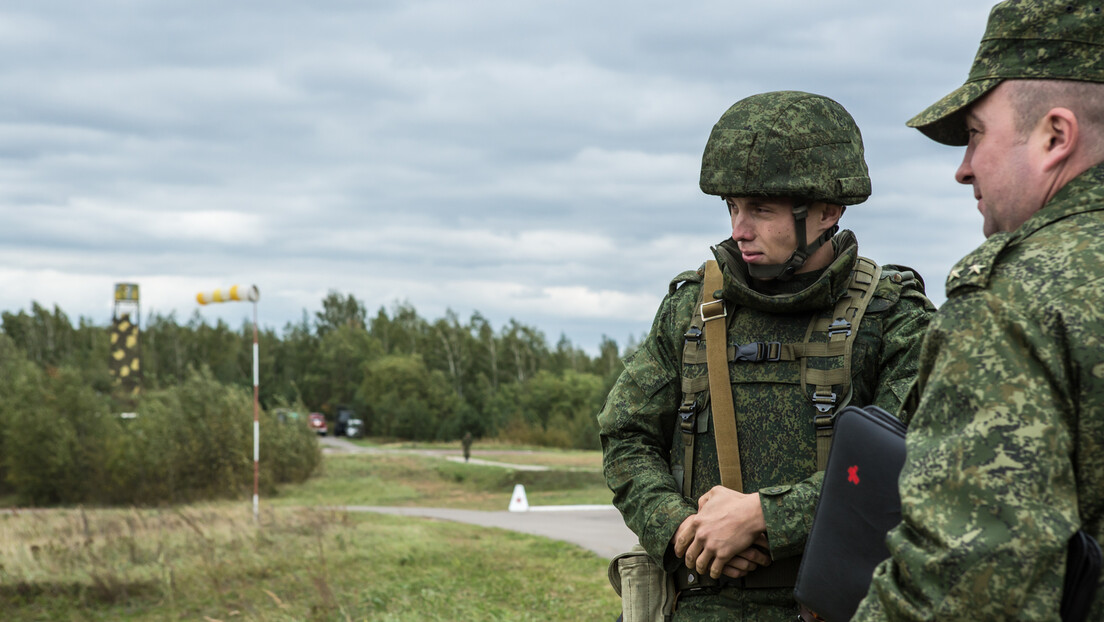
pixel 530 160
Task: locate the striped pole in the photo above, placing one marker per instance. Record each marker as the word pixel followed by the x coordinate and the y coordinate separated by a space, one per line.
pixel 256 423
pixel 250 294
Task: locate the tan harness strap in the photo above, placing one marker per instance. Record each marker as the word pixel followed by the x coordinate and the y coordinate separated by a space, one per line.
pixel 842 328
pixel 720 381
pixel 774 351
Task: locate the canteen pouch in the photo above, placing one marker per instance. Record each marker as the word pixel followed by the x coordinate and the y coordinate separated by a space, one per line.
pixel 647 592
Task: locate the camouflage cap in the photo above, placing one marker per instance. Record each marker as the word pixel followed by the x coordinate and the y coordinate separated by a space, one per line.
pixel 1024 39
pixel 786 144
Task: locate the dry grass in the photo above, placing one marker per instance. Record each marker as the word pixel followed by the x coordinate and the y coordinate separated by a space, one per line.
pixel 212 563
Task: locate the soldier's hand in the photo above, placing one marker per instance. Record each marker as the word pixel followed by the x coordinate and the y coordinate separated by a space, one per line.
pixel 727 523
pixel 755 556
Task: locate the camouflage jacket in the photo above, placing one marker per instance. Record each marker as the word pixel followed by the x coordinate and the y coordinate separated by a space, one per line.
pixel 1006 446
pixel 774 417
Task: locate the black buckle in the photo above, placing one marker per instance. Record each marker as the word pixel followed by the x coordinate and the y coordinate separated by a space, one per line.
pixel 759 351
pixel 824 422
pixel 840 326
pixel 693 334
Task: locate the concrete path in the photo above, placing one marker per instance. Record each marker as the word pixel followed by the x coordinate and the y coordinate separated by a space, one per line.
pixel 600 531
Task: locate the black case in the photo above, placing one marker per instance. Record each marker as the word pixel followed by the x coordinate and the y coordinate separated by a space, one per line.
pixel 859 503
pixel 847 540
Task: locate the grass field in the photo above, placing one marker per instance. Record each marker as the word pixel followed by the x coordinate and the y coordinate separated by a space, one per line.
pixel 405 479
pixel 209 562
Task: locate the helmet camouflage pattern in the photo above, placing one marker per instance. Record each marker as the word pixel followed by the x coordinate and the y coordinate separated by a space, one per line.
pixel 786 144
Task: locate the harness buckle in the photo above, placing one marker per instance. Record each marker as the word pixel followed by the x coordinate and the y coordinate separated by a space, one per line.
pixel 693 334
pixel 825 401
pixel 688 412
pixel 772 351
pixel 759 351
pixel 839 327
pixel 713 315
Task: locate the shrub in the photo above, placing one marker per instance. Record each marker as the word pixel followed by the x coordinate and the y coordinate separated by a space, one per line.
pixel 63 444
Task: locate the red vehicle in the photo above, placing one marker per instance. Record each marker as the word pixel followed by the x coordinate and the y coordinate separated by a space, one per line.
pixel 317 422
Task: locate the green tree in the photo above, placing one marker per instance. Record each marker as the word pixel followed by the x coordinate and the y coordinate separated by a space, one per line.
pixel 408 400
pixel 552 409
pixel 338 311
pixel 337 372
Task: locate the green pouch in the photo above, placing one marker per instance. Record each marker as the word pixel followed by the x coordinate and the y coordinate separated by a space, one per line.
pixel 647 592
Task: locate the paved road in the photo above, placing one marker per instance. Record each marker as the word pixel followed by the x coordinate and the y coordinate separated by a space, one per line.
pixel 599 530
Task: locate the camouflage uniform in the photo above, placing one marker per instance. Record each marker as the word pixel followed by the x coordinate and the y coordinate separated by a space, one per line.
pixel 1006 443
pixel 1012 381
pixel 783 144
pixel 774 416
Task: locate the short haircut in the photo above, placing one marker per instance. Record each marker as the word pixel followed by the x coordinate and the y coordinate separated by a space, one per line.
pixel 1031 99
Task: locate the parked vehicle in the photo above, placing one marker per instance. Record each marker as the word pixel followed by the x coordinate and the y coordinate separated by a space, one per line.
pixel 355 428
pixel 341 421
pixel 317 423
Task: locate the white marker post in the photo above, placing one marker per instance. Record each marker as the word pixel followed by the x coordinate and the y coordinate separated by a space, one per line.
pixel 250 294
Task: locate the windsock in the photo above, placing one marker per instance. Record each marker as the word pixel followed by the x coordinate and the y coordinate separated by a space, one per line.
pixel 235 293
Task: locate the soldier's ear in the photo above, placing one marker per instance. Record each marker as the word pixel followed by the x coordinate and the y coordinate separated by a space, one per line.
pixel 831 214
pixel 1057 136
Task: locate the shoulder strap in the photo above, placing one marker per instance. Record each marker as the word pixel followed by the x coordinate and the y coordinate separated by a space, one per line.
pixel 720 382
pixel 842 328
pixel 714 387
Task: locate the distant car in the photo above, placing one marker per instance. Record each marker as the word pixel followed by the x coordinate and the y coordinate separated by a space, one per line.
pixel 317 423
pixel 355 428
pixel 341 421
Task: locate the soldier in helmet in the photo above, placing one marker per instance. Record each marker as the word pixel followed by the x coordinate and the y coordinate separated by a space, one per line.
pixel 1006 438
pixel 806 326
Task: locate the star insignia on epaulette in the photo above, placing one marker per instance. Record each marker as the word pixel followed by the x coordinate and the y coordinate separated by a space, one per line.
pixel 955 274
pixel 975 269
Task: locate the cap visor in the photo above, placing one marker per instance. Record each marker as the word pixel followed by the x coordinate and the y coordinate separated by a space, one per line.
pixel 944 120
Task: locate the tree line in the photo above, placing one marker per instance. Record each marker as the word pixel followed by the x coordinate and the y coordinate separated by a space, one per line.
pixel 406 376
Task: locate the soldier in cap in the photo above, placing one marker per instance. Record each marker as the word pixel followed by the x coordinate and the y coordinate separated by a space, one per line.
pixel 804 326
pixel 1006 437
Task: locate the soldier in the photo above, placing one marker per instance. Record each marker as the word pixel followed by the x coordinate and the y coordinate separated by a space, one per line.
pixel 467 443
pixel 1006 438
pixel 810 326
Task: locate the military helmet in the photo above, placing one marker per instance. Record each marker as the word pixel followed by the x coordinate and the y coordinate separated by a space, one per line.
pixel 786 144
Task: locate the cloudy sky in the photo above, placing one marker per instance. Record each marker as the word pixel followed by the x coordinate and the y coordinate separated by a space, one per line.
pixel 535 160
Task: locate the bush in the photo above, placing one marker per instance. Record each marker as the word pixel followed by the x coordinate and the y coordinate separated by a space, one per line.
pixel 63 444
pixel 57 433
pixel 289 450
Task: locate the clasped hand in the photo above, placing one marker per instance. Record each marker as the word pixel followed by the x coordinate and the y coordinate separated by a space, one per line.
pixel 727 535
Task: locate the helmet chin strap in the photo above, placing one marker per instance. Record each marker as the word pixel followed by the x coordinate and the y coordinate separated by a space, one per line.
pixel 785 271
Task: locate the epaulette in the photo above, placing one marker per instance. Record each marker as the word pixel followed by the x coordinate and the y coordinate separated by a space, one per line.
pixel 974 269
pixel 690 276
pixel 904 276
pixel 899 282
